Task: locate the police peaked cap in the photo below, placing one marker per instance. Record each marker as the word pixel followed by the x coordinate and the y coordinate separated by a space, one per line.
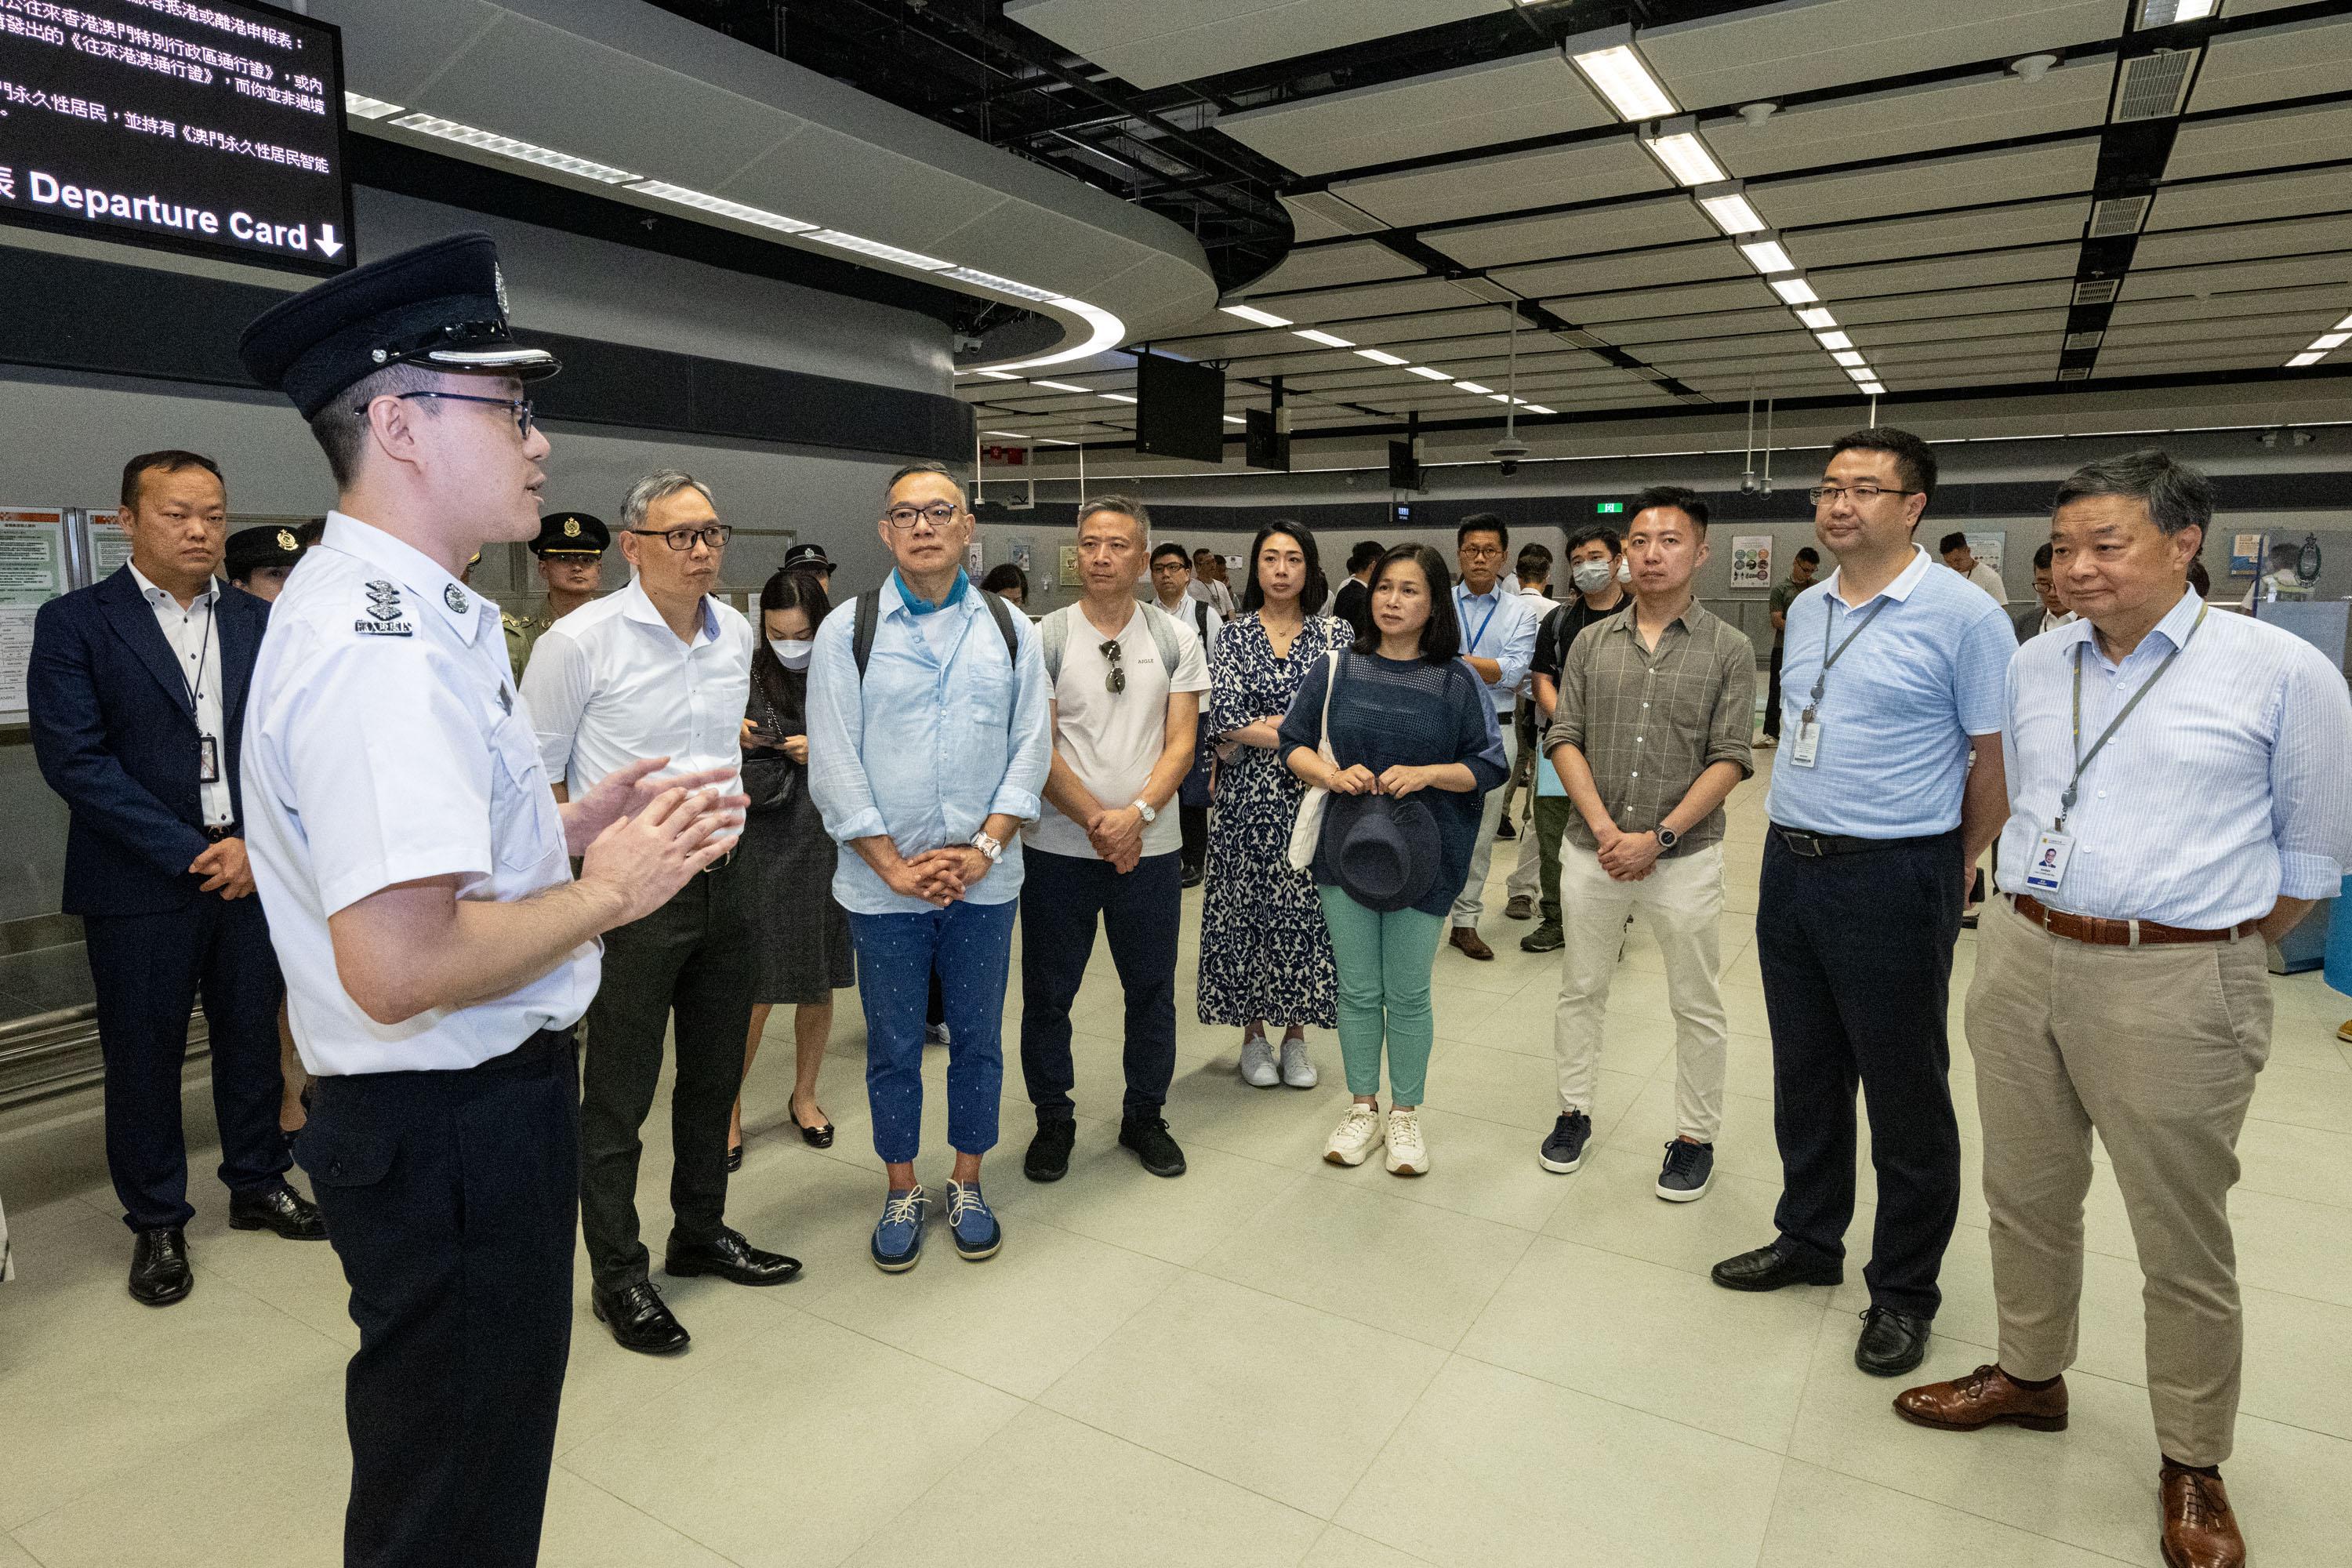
pixel 248 550
pixel 572 533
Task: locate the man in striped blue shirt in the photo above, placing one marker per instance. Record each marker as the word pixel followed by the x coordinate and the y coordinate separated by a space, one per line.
pixel 1886 788
pixel 2181 787
pixel 1499 639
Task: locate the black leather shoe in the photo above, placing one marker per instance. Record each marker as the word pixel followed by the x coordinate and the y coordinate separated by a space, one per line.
pixel 730 1257
pixel 1048 1159
pixel 1149 1138
pixel 159 1266
pixel 638 1320
pixel 281 1209
pixel 1892 1343
pixel 1769 1268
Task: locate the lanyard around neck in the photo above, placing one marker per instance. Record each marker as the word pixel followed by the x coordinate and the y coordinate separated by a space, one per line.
pixel 195 689
pixel 1461 601
pixel 1829 613
pixel 2083 759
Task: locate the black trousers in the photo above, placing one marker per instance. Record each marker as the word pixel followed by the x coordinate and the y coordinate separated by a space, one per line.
pixel 450 1197
pixel 1194 821
pixel 1857 951
pixel 148 972
pixel 1772 696
pixel 1061 895
pixel 693 957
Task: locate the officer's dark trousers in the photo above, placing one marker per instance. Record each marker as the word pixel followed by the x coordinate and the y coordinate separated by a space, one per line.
pixel 451 1199
pixel 1060 897
pixel 693 957
pixel 1857 951
pixel 147 972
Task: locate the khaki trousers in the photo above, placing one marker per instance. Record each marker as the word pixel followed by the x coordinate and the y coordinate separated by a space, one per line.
pixel 2157 1048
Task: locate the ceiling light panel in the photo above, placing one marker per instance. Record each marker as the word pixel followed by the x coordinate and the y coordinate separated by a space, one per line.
pixel 1621 76
pixel 840 240
pixel 2329 343
pixel 1379 356
pixel 1817 318
pixel 1115 396
pixel 1831 341
pixel 1686 158
pixel 507 147
pixel 2305 358
pixel 1767 256
pixel 719 207
pixel 1002 284
pixel 362 106
pixel 1327 338
pixel 1060 387
pixel 1427 373
pixel 1729 208
pixel 1252 313
pixel 1793 290
pixel 1472 387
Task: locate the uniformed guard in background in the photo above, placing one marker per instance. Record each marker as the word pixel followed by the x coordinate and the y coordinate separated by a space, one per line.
pixel 571 549
pixel 258 559
pixel 415 865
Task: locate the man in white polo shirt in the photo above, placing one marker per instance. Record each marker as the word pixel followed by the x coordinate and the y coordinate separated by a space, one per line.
pixel 1127 679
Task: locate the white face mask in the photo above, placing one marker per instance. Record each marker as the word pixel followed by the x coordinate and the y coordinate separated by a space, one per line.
pixel 1625 573
pixel 1590 576
pixel 790 654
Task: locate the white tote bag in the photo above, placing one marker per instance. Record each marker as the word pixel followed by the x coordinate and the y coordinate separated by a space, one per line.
pixel 1307 830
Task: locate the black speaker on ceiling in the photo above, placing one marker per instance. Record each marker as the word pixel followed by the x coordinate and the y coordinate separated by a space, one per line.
pixel 1404 469
pixel 1179 409
pixel 1264 444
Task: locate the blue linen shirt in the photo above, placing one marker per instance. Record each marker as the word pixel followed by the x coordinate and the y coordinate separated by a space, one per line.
pixel 1900 706
pixel 928 747
pixel 2227 789
pixel 1509 637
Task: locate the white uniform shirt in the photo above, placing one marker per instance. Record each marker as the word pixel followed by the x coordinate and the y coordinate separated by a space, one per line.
pixel 1112 739
pixel 1985 577
pixel 384 743
pixel 195 644
pixel 611 682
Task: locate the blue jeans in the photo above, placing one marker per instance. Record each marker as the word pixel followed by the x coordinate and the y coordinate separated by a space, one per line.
pixel 1060 897
pixel 970 947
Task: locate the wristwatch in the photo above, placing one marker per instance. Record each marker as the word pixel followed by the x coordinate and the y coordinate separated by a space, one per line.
pixel 988 846
pixel 1143 809
pixel 1667 837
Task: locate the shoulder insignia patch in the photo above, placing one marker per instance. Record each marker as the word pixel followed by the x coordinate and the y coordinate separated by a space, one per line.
pixel 384 617
pixel 455 597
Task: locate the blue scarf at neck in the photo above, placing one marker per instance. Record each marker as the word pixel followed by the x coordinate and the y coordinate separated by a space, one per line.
pixel 920 607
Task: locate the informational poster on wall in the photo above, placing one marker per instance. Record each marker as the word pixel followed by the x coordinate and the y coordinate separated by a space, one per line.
pixel 1070 578
pixel 32 572
pixel 109 544
pixel 1986 547
pixel 2245 554
pixel 1018 553
pixel 972 559
pixel 1751 559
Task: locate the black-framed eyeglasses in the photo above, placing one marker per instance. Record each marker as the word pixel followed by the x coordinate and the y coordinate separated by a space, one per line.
pixel 938 514
pixel 683 539
pixel 520 407
pixel 1830 495
pixel 1116 681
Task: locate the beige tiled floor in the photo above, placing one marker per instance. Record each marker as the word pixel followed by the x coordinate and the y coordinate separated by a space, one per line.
pixel 1271 1361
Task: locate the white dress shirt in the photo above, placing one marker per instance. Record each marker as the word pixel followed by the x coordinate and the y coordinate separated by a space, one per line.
pixel 195 644
pixel 385 744
pixel 2228 788
pixel 1985 577
pixel 610 683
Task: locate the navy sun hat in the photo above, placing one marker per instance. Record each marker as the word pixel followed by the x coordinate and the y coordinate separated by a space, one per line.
pixel 1383 850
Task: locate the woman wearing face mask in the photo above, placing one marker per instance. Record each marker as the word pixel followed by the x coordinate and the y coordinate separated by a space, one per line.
pixel 1597 571
pixel 804 954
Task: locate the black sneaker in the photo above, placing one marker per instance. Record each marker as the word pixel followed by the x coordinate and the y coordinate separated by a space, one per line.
pixel 1563 1151
pixel 1546 938
pixel 1149 1136
pixel 1048 1159
pixel 1191 877
pixel 1506 830
pixel 1688 1169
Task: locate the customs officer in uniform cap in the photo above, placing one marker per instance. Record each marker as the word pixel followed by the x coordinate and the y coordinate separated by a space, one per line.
pixel 258 559
pixel 414 864
pixel 571 549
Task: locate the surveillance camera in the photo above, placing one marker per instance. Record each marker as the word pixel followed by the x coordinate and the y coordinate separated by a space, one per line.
pixel 1506 468
pixel 2301 438
pixel 965 343
pixel 2267 438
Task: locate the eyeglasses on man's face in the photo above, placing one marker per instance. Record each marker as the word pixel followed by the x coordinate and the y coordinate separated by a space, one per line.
pixel 938 514
pixel 1482 552
pixel 1861 495
pixel 715 535
pixel 520 407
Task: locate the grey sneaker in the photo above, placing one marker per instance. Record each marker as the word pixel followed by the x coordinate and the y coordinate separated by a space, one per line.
pixel 1688 1169
pixel 1296 1071
pixel 1257 1063
pixel 1546 938
pixel 1563 1151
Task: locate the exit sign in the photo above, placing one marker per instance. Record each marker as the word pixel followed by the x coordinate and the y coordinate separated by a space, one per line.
pixel 1606 507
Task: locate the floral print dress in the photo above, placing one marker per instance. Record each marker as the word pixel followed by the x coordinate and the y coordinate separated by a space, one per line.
pixel 1265 952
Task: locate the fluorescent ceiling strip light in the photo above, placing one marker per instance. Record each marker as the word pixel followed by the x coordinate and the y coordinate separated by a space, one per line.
pixel 1498 398
pixel 2331 341
pixel 2163 13
pixel 1116 397
pixel 1872 387
pixel 840 240
pixel 1325 339
pixel 366 108
pixel 1002 284
pixel 719 207
pixel 2343 326
pixel 1730 209
pixel 1793 290
pixel 1686 158
pixel 1252 313
pixel 1060 387
pixel 1818 320
pixel 1864 373
pixel 1539 408
pixel 1472 387
pixel 1849 358
pixel 1009 435
pixel 2307 357
pixel 1767 256
pixel 1619 75
pixel 1379 356
pixel 507 147
pixel 1235 419
pixel 999 375
pixel 1105 331
pixel 1426 374
pixel 1834 340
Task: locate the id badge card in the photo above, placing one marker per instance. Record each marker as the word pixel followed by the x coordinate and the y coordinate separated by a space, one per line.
pixel 1808 745
pixel 207 759
pixel 2046 866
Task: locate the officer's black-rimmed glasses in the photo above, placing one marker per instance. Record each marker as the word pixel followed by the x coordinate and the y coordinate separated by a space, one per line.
pixel 683 539
pixel 520 407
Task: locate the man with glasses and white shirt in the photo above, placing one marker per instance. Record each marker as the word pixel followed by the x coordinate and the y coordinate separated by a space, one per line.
pixel 662 668
pixel 1498 641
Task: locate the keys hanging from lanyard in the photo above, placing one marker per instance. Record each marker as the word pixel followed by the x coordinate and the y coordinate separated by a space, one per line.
pixel 2083 759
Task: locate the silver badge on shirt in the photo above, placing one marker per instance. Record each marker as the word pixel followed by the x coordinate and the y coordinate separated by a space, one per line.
pixel 455 597
pixel 385 617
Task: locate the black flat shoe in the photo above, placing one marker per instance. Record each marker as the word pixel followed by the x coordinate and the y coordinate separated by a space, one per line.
pixel 1149 1138
pixel 638 1320
pixel 730 1257
pixel 815 1137
pixel 280 1209
pixel 1769 1268
pixel 734 1157
pixel 160 1274
pixel 1892 1343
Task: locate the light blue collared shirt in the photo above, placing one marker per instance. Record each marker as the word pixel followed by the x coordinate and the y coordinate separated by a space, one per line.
pixel 929 746
pixel 1509 637
pixel 2227 789
pixel 1900 706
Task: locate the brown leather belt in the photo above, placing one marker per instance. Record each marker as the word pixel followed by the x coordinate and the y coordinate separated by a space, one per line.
pixel 2101 932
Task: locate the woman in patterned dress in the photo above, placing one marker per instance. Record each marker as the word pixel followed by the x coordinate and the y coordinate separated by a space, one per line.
pixel 1265 953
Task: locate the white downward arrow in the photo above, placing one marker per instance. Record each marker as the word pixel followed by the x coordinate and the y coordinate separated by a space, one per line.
pixel 327 244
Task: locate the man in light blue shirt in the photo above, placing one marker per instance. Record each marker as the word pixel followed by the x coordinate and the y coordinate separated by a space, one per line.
pixel 2181 788
pixel 1498 642
pixel 1886 788
pixel 930 736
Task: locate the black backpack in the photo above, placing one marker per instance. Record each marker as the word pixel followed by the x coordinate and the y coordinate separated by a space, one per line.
pixel 869 613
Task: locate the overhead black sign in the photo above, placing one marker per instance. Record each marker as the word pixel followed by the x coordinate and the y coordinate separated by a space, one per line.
pixel 197 125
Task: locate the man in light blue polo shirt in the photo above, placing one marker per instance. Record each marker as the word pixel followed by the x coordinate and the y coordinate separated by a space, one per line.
pixel 1886 788
pixel 929 735
pixel 1499 641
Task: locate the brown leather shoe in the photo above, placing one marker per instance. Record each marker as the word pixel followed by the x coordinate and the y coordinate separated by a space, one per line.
pixel 1985 1397
pixel 2200 1529
pixel 1471 945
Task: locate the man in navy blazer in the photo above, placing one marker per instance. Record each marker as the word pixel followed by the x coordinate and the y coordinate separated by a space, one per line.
pixel 136 691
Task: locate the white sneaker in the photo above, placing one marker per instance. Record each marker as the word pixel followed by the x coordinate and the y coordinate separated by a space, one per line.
pixel 1358 1134
pixel 1257 1063
pixel 1296 1071
pixel 1408 1155
pixel 936 1035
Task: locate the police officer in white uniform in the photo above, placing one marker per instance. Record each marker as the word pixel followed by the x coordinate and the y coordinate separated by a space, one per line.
pixel 414 864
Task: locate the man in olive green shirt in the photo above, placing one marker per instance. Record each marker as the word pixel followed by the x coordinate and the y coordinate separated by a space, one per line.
pixel 571 549
pixel 1800 577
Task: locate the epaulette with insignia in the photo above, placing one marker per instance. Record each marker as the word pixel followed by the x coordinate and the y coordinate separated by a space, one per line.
pixel 385 617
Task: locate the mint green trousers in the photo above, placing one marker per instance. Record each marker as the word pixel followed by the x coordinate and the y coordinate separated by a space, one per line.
pixel 1383 962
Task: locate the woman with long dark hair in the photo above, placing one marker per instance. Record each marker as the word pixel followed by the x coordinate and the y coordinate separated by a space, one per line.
pixel 804 952
pixel 1265 955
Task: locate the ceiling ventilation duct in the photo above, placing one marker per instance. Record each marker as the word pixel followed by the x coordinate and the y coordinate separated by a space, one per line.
pixel 2118 215
pixel 2156 86
pixel 2097 291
